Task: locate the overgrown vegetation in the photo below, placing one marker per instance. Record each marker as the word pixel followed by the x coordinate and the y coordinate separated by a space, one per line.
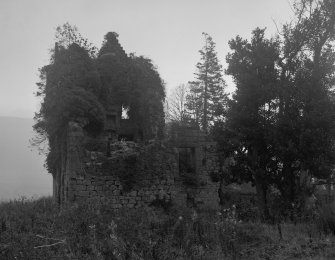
pixel 41 230
pixel 279 127
pixel 81 84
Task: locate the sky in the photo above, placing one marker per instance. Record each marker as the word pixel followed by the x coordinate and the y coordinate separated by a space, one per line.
pixel 169 32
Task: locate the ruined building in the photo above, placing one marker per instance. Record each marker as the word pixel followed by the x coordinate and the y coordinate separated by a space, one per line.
pixel 130 164
pixel 183 170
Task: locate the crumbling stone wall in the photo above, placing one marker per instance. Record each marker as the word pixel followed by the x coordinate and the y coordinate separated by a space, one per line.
pixel 110 187
pixel 133 175
pixel 204 194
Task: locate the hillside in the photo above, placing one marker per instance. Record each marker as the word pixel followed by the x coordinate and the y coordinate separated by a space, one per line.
pixel 21 170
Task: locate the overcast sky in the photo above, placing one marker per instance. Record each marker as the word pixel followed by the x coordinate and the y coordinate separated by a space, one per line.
pixel 168 32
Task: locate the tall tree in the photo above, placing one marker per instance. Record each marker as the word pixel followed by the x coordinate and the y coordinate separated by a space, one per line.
pixel 281 120
pixel 305 141
pixel 206 98
pixel 251 118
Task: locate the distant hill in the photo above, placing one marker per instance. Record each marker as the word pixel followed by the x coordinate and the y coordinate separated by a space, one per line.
pixel 21 170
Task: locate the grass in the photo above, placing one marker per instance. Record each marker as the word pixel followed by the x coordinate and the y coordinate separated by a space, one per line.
pixel 39 229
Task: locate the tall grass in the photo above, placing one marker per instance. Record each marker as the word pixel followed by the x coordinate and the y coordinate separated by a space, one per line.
pixel 40 229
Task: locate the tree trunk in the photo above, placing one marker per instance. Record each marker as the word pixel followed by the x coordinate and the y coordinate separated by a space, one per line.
pixel 261 190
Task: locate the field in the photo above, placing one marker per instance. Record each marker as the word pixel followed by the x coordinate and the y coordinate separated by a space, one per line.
pixel 39 229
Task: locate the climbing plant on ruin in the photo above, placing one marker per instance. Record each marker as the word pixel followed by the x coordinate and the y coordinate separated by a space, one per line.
pixel 80 85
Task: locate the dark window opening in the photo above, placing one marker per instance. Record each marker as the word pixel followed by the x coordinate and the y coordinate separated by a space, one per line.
pixel 111 122
pixel 126 137
pixel 187 160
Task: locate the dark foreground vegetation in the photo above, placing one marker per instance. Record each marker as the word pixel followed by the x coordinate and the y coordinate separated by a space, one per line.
pixel 41 230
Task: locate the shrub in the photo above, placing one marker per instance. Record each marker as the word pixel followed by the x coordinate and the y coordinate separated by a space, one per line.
pixel 326 217
pixel 89 230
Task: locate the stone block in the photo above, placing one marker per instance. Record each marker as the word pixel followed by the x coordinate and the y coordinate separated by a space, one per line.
pixel 116 192
pixel 90 187
pixel 100 183
pixel 118 206
pixel 79 187
pixel 83 193
pixel 170 181
pixel 86 182
pixel 110 182
pixel 133 193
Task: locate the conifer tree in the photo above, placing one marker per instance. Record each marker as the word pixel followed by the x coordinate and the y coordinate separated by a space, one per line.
pixel 206 99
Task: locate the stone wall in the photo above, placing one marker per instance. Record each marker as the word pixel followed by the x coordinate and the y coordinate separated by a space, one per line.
pixel 208 195
pixel 102 187
pixel 132 175
pixel 207 169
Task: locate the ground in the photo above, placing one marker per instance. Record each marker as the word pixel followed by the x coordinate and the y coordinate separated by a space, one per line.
pixel 41 230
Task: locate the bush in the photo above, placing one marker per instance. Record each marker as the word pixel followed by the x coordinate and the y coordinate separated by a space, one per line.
pixel 326 217
pixel 40 229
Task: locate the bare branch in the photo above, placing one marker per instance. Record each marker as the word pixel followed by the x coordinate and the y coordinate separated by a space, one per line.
pixel 278 31
pixel 50 238
pixel 54 244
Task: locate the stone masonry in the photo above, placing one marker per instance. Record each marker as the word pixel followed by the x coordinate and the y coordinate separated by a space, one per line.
pixel 183 170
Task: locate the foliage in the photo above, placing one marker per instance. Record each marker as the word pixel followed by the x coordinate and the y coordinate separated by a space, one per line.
pixel 70 87
pixel 279 124
pixel 80 86
pixel 206 100
pixel 147 97
pixel 133 83
pixel 67 34
pixel 250 118
pixel 113 65
pixel 92 230
pixel 326 217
